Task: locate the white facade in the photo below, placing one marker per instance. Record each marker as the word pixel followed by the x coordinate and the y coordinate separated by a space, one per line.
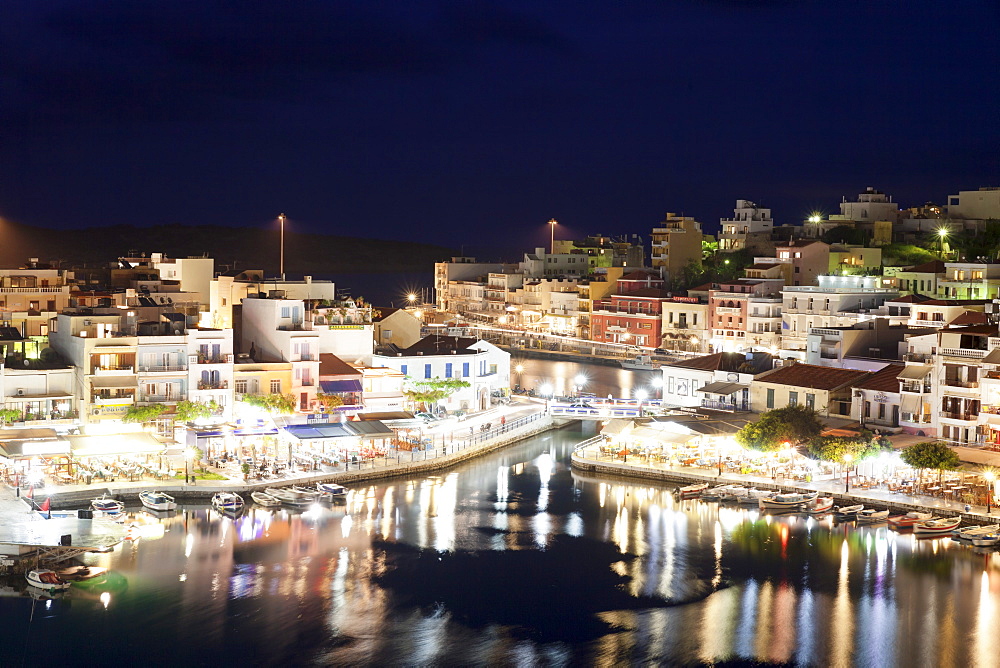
pixel 748 218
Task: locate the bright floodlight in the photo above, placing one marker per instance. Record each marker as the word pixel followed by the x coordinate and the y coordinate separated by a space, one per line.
pixel 546 389
pixel 942 232
pixel 641 395
pixel 580 379
pixel 519 368
pixel 411 297
pixel 989 475
pixel 848 457
pixel 658 381
pixel 815 218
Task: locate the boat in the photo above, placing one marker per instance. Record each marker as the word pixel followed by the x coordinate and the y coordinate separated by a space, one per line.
pixel 691 491
pixel 792 501
pixel 752 496
pixel 966 534
pixel 227 502
pixel 718 493
pixel 157 500
pixel 290 496
pixel 641 362
pixel 990 539
pixel 820 504
pixel 264 499
pixel 734 494
pixel 871 516
pixel 936 527
pixel 848 511
pixel 909 519
pixel 107 505
pixel 43 578
pixel 333 489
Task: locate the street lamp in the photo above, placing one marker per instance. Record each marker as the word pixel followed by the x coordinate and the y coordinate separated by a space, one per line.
pixel 989 476
pixel 578 383
pixel 847 480
pixel 552 229
pixel 188 456
pixel 641 396
pixel 546 391
pixel 942 233
pixel 411 298
pixel 281 219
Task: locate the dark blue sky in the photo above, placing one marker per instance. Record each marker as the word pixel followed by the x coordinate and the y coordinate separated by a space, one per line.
pixel 475 122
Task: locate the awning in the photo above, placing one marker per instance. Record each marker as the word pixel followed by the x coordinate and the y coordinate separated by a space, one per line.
pixel 305 432
pixel 993 357
pixel 372 428
pixel 113 381
pixel 25 434
pixel 26 448
pixel 909 403
pixel 334 386
pixel 139 442
pixel 723 388
pixel 919 371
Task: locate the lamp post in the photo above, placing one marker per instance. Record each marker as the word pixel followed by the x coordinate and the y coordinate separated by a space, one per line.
pixel 281 219
pixel 641 396
pixel 188 456
pixel 552 236
pixel 847 480
pixel 942 235
pixel 989 476
pixel 578 384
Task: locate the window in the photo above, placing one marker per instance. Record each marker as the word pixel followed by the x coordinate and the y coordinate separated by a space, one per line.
pixel 275 386
pixel 447 370
pixel 427 371
pixel 285 312
pixel 793 398
pixel 241 387
pixel 810 400
pixel 465 369
pixel 770 397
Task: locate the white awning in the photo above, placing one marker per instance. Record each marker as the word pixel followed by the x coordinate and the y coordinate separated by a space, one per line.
pixel 909 403
pixel 916 371
pixel 114 381
pixel 723 388
pixel 139 442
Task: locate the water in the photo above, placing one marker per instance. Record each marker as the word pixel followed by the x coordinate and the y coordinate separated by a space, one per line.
pixel 513 559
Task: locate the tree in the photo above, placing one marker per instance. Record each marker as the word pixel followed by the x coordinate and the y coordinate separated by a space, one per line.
pixel 277 404
pixel 329 401
pixel 429 391
pixel 143 414
pixel 780 428
pixel 188 411
pixel 833 448
pixel 845 234
pixel 8 415
pixel 931 455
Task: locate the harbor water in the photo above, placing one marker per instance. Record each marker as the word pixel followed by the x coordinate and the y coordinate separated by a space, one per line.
pixel 512 559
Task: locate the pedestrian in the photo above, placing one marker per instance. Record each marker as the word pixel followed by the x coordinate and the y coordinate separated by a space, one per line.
pixel 503 420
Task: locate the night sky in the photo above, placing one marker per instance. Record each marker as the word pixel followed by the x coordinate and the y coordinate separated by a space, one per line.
pixel 475 122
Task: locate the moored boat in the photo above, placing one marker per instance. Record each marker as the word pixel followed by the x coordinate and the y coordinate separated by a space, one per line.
pixel 966 534
pixel 333 489
pixel 264 499
pixel 909 519
pixel 871 516
pixel 937 527
pixel 752 496
pixel 43 578
pixel 107 505
pixel 640 363
pixel 691 491
pixel 227 502
pixel 820 504
pixel 290 496
pixel 718 493
pixel 848 511
pixel 991 539
pixel 157 500
pixel 791 501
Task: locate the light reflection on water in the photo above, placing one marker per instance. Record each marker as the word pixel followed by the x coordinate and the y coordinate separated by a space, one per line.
pixel 284 587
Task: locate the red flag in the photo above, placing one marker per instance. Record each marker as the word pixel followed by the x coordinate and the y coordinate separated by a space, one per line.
pixel 46 505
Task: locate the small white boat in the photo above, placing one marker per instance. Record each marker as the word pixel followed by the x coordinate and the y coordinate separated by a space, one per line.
pixel 820 504
pixel 909 519
pixel 848 511
pixel 753 497
pixel 718 493
pixel 157 500
pixel 936 527
pixel 107 505
pixel 871 516
pixel 264 499
pixel 640 362
pixel 333 489
pixel 227 502
pixel 792 501
pixel 43 578
pixel 691 491
pixel 290 496
pixel 991 539
pixel 968 533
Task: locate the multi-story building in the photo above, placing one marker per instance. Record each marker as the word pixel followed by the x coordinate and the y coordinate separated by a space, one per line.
pixel 30 297
pixel 749 220
pixel 460 285
pixel 719 381
pixel 852 259
pixel 41 392
pixel 676 244
pixel 730 306
pixel 970 280
pixel 871 207
pixel 877 399
pixel 230 288
pixel 868 345
pixel 210 360
pixel 982 204
pixel 921 279
pixel 633 318
pixel 686 324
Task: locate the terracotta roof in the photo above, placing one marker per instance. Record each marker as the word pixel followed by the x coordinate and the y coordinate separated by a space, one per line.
pixel 813 376
pixel 701 288
pixel 726 362
pixel 883 380
pixel 955 302
pixel 987 330
pixel 381 313
pixel 932 267
pixel 970 318
pixel 764 265
pixel 331 365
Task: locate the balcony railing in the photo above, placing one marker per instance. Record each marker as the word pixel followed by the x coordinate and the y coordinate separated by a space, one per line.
pixel 915 418
pixel 951 382
pixel 25 291
pixel 218 385
pixel 964 353
pixel 917 357
pixel 162 369
pixel 160 398
pixel 968 417
pixel 741 406
pixel 916 388
pixel 728 309
pixel 929 323
pixel 211 359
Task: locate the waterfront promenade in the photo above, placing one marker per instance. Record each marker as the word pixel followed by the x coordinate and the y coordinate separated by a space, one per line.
pixel 587 459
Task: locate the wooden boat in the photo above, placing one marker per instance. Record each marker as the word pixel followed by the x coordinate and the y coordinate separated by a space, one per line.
pixel 290 496
pixel 719 493
pixel 909 519
pixel 937 527
pixel 640 363
pixel 157 500
pixel 820 504
pixel 792 501
pixel 227 502
pixel 848 511
pixel 333 489
pixel 991 539
pixel 107 505
pixel 871 516
pixel 966 534
pixel 264 499
pixel 43 578
pixel 691 491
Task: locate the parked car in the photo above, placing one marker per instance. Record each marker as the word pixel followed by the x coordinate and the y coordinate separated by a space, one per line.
pixel 427 417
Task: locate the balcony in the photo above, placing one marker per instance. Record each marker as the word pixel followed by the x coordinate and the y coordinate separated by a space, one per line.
pixel 920 358
pixel 964 353
pixel 741 406
pixel 218 385
pixel 929 323
pixel 728 310
pixel 954 382
pixel 966 417
pixel 160 398
pixel 211 359
pixel 162 369
pixel 113 370
pixel 111 399
pixel 915 418
pixel 915 388
pixel 26 291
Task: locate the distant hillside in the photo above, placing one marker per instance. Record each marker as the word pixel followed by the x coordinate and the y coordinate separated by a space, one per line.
pixel 247 248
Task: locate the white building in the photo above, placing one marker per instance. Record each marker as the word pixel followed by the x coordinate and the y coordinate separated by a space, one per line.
pixel 748 219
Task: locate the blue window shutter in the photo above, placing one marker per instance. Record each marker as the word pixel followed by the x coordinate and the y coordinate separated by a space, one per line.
pixel 402 369
pixel 465 369
pixel 427 371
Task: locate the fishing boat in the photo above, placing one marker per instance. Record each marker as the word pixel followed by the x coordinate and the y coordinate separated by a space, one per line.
pixel 264 499
pixel 107 505
pixel 871 516
pixel 937 527
pixel 909 519
pixel 290 496
pixel 991 539
pixel 734 494
pixel 966 534
pixel 43 578
pixel 848 511
pixel 792 501
pixel 333 489
pixel 227 502
pixel 820 504
pixel 640 362
pixel 157 500
pixel 752 496
pixel 691 491
pixel 717 493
